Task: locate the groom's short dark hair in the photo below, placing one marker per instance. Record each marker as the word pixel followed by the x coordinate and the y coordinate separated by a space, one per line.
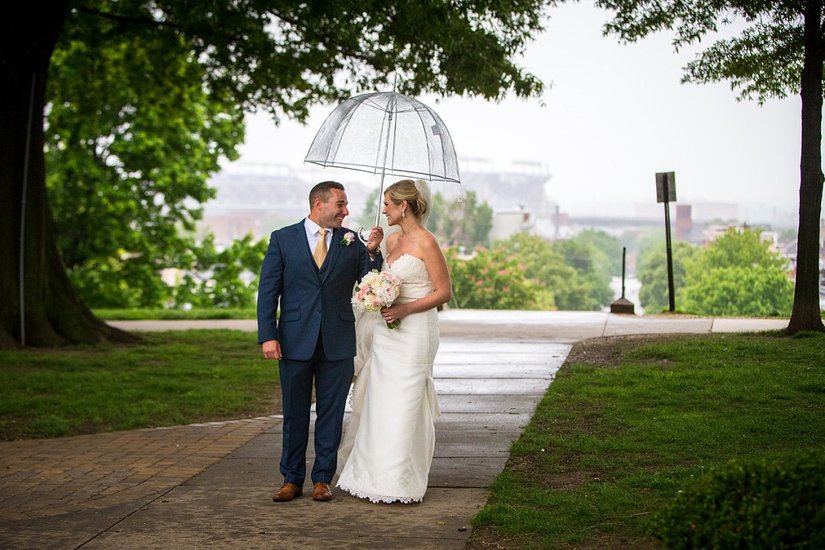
pixel 322 191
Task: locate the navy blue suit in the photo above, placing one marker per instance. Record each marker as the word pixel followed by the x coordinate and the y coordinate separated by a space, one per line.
pixel 316 332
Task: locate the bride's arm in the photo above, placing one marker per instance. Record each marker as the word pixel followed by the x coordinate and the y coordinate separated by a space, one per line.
pixel 439 275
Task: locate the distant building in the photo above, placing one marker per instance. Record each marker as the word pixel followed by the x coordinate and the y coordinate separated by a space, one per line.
pixel 712 232
pixel 684 222
pixel 701 211
pixel 521 184
pixel 258 198
pixel 517 195
pixel 647 211
pixel 508 222
pixel 719 211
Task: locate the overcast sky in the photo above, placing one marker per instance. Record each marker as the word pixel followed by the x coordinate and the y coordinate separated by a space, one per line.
pixel 614 115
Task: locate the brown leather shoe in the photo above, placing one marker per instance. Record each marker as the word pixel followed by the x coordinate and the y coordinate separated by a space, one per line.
pixel 321 492
pixel 287 492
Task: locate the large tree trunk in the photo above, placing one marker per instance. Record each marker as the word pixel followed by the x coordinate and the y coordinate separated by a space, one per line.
pixel 53 312
pixel 806 314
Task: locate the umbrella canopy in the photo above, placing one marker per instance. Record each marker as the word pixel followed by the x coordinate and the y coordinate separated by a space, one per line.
pixel 386 133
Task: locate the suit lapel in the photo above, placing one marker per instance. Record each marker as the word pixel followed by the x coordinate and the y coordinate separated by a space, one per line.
pixel 299 239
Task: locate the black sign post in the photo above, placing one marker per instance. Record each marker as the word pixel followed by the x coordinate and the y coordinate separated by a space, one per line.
pixel 666 192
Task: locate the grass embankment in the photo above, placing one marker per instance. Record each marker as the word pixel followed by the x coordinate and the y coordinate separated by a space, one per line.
pixel 139 314
pixel 630 421
pixel 168 379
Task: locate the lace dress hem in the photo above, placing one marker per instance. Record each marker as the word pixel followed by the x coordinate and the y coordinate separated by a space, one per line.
pixel 380 498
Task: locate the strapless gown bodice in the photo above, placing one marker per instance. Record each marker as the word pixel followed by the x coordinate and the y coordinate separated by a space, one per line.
pixel 415 281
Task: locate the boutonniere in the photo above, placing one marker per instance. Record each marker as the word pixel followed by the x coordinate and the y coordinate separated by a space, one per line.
pixel 348 238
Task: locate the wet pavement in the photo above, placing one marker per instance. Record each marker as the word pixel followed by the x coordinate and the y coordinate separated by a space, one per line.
pixel 209 485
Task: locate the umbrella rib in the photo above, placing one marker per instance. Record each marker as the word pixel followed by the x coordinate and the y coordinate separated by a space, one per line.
pixel 449 139
pixel 392 124
pixel 346 120
pixel 427 141
pixel 394 130
pixel 386 123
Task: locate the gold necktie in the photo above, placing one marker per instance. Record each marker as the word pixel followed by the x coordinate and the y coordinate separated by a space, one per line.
pixel 320 248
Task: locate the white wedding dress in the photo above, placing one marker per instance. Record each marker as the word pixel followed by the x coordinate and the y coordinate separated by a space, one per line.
pixel 389 440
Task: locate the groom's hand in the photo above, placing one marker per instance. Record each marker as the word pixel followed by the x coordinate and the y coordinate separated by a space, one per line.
pixel 272 349
pixel 376 236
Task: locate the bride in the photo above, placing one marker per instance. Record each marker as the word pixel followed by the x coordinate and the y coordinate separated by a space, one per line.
pixel 390 437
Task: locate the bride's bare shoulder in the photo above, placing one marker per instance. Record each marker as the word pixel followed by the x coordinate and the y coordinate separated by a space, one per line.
pixel 430 241
pixel 392 238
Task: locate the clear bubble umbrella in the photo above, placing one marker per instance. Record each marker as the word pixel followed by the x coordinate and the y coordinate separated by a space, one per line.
pixel 386 133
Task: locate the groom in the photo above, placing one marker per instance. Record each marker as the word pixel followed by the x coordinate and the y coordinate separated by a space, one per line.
pixel 311 268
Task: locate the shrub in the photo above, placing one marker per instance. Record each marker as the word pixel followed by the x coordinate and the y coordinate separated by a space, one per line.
pixel 779 504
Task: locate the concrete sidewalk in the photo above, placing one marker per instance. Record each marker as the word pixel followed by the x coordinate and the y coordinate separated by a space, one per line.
pixel 209 485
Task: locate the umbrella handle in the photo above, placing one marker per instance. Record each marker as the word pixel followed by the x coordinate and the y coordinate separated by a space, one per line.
pixel 380 202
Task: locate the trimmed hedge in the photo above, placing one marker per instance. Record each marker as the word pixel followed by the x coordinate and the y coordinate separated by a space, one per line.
pixel 777 504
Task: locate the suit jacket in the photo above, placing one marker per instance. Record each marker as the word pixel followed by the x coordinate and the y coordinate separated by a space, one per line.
pixel 312 301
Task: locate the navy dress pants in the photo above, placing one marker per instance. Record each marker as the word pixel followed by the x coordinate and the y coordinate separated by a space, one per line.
pixel 332 381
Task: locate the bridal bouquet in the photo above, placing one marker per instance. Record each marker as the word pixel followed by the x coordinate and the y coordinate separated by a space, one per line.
pixel 377 290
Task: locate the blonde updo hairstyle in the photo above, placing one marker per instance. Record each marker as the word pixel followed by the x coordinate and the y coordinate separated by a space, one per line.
pixel 417 195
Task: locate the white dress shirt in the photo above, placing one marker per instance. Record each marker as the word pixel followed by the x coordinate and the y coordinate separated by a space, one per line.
pixel 314 233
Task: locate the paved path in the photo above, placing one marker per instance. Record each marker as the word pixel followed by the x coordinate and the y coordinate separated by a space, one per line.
pixel 209 485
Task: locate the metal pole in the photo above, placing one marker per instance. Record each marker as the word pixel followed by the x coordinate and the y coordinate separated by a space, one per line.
pixel 669 258
pixel 390 130
pixel 22 266
pixel 390 112
pixel 624 253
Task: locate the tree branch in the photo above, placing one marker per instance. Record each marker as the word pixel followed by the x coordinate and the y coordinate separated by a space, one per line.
pixel 151 22
pixel 128 19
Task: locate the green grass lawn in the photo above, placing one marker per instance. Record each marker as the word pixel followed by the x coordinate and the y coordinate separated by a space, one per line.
pixel 630 421
pixel 138 314
pixel 169 378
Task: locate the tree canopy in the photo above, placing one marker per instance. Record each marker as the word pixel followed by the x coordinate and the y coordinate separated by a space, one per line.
pixel 466 223
pixel 276 56
pixel 131 138
pixel 585 254
pixel 490 278
pixel 737 274
pixel 559 282
pixel 572 274
pixel 652 274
